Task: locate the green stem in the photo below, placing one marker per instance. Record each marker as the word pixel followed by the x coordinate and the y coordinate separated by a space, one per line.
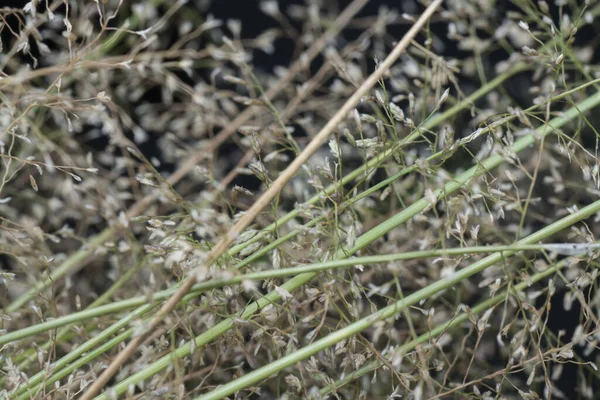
pixel 85 359
pixel 68 265
pixel 77 258
pixel 435 120
pixel 361 242
pixel 440 329
pixel 261 275
pixel 301 354
pixel 105 297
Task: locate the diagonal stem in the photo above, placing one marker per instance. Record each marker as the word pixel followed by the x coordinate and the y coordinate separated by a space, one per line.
pixel 393 309
pixel 267 196
pixel 414 209
pixel 76 261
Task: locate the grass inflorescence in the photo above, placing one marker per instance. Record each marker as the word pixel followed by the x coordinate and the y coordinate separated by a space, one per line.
pixel 372 201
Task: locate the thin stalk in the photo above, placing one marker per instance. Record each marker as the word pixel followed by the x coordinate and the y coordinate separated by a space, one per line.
pixel 404 171
pixel 361 242
pixel 62 366
pixel 387 312
pixel 104 298
pixel 85 359
pixel 285 272
pixel 76 260
pixel 78 257
pixel 429 124
pixel 41 378
pixel 273 245
pixel 226 240
pixel 440 329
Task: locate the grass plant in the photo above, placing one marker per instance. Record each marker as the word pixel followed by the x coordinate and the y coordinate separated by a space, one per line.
pixel 405 207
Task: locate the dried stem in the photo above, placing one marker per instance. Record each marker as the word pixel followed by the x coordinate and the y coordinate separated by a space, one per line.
pixel 73 263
